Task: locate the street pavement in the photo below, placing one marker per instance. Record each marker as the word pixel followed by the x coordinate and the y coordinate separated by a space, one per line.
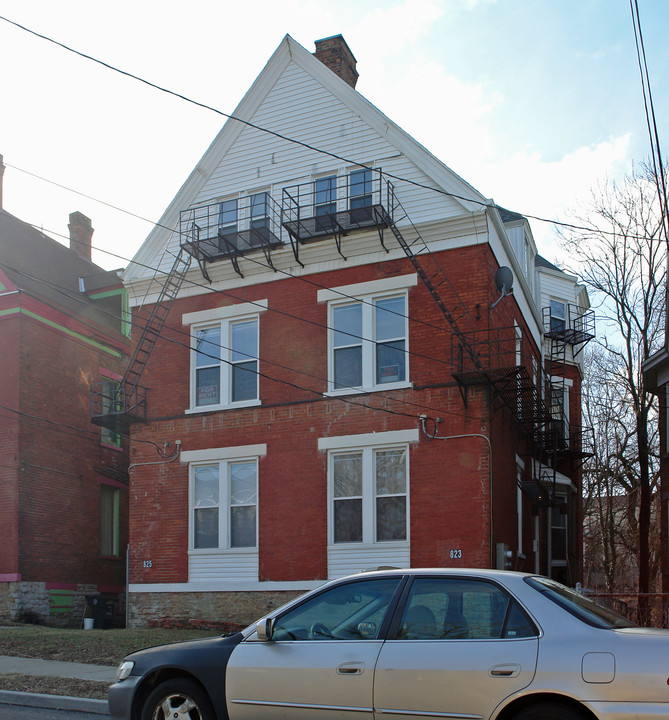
pixel 54 668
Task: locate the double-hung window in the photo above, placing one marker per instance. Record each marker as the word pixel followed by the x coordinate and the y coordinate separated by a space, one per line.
pixel 325 196
pixel 111 404
pixel 368 335
pixel 225 503
pixel 360 188
pixel 368 490
pixel 369 340
pixel 259 210
pixel 227 216
pixel 377 478
pixel 224 356
pixel 558 316
pixel 223 512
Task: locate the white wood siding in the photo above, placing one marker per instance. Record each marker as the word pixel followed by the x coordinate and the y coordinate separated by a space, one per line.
pixel 347 560
pixel 216 566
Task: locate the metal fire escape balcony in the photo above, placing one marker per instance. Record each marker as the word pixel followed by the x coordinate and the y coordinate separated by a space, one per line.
pixel 575 328
pixel 335 206
pixel 511 367
pixel 506 362
pixel 230 229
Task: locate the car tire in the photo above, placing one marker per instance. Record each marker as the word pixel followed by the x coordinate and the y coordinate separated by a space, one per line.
pixel 549 711
pixel 179 697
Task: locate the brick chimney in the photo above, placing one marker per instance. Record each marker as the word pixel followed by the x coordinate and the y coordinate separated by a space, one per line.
pixel 81 233
pixel 336 54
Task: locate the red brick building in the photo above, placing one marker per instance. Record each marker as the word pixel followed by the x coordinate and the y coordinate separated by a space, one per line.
pixel 356 358
pixel 63 482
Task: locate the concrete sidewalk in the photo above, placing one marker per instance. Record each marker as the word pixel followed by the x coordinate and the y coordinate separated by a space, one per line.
pixel 55 668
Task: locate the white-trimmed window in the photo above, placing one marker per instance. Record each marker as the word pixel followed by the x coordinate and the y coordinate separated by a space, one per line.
pixel 223 512
pixel 224 356
pixel 225 504
pixel 368 500
pixel 369 495
pixel 368 337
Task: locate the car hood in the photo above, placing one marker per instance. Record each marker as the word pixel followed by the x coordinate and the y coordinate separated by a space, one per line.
pixel 179 653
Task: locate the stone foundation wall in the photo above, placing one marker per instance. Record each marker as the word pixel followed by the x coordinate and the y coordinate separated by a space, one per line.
pixel 34 602
pixel 217 609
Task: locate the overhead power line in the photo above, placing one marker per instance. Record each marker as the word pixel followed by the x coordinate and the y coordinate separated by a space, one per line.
pixel 186 344
pixel 281 136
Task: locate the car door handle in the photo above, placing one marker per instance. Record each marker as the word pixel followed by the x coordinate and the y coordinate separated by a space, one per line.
pixel 354 668
pixel 505 671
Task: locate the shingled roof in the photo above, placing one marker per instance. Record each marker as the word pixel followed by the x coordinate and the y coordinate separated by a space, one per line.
pixel 49 271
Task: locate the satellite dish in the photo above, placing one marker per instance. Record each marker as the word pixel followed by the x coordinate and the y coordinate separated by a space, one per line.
pixel 504 280
pixel 503 283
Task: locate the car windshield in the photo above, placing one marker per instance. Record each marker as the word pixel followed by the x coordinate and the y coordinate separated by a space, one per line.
pixel 580 606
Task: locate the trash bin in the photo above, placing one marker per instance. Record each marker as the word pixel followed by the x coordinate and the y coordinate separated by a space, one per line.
pixel 96 608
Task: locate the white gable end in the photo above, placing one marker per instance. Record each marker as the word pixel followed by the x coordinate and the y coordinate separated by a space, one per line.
pixel 297 97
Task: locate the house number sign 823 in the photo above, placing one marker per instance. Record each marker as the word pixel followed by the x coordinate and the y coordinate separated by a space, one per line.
pixel 456 554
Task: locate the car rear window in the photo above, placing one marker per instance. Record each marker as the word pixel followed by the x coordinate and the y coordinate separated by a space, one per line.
pixel 578 605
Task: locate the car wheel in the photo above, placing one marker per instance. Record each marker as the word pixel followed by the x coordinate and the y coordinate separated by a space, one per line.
pixel 178 699
pixel 549 711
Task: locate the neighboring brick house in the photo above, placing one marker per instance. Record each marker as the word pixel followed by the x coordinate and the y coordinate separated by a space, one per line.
pixel 348 378
pixel 63 482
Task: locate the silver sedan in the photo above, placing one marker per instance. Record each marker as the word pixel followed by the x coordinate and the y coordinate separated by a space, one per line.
pixel 407 644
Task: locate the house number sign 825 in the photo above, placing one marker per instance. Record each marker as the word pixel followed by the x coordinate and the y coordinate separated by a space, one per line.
pixel 456 554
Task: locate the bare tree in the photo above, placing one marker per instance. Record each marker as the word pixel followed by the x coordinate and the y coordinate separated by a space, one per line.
pixel 619 253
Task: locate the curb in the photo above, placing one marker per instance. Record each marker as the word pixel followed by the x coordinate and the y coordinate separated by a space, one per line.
pixel 54 702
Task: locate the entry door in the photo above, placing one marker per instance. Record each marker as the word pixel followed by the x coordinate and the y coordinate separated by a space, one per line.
pixel 320 660
pixel 461 647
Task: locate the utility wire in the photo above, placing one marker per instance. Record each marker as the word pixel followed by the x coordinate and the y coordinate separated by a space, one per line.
pixel 188 346
pixel 651 122
pixel 349 161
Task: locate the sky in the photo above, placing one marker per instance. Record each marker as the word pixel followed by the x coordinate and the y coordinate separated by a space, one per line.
pixel 533 102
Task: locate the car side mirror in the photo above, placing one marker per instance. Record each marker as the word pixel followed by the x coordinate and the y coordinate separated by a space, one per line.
pixel 264 629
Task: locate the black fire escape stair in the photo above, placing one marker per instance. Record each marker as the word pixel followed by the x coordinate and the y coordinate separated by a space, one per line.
pixel 115 406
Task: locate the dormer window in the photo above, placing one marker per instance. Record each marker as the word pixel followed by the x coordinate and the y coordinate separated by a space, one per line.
pixel 558 316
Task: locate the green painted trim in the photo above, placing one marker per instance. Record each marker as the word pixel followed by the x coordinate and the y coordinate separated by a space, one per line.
pixel 63 329
pixel 125 307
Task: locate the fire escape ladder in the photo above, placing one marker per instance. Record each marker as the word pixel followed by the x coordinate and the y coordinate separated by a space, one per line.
pixel 114 404
pixel 156 320
pixel 437 283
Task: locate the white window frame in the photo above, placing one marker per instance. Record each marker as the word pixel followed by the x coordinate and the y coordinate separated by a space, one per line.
pixel 223 458
pixel 367 444
pixel 223 318
pixel 367 294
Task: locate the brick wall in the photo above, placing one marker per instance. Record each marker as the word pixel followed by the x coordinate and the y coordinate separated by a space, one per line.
pixel 450 493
